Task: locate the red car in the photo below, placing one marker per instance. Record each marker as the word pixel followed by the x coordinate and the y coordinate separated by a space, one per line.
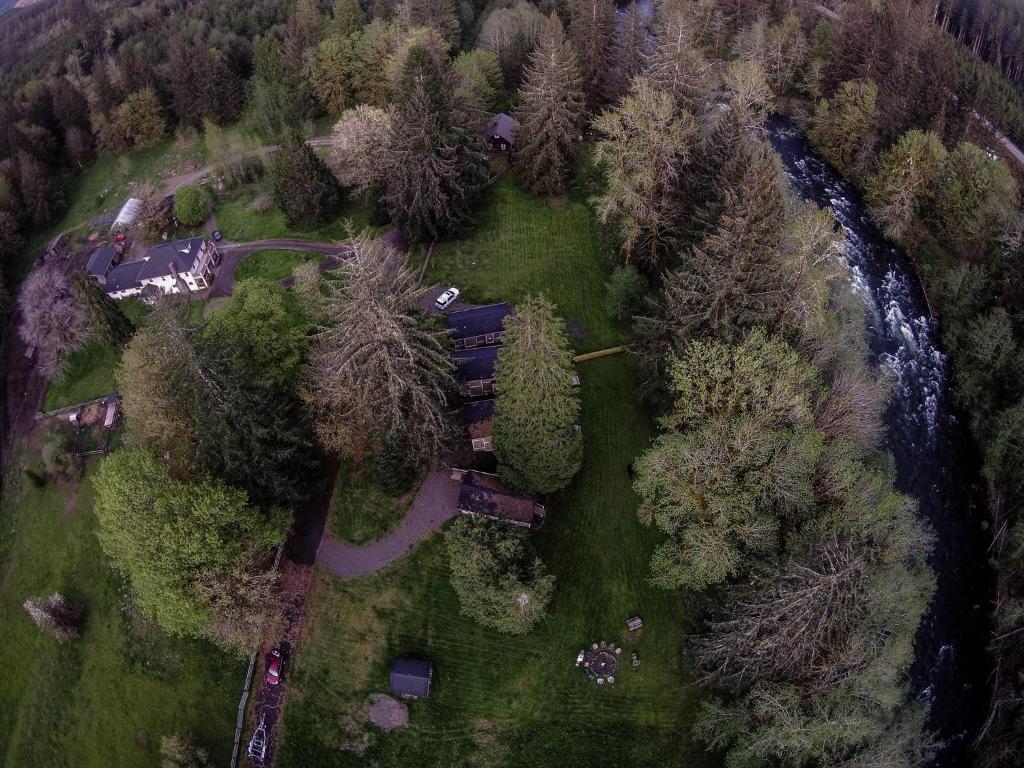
pixel 274 668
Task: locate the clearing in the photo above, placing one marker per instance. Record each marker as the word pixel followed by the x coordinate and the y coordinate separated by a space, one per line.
pixel 500 699
pixel 273 264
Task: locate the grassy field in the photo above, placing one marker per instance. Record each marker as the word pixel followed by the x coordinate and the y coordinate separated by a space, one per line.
pixel 107 698
pixel 362 511
pixel 500 700
pixel 239 222
pixel 273 264
pixel 524 244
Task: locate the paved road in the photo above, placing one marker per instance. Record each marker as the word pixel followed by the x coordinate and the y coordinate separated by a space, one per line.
pixel 434 505
pixel 174 183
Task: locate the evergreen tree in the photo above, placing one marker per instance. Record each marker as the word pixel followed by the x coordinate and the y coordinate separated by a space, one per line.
pixel 40 191
pixel 304 188
pixel 675 63
pixel 106 319
pixel 537 410
pixel 550 114
pixel 733 279
pixel 628 52
pixel 377 373
pixel 593 22
pixel 646 141
pixel 498 582
pixel 348 18
pixel 442 15
pixel 273 105
pixel 337 71
pixel 436 163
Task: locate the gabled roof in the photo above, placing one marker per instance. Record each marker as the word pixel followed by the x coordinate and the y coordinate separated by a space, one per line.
pixel 476 364
pixel 484 494
pixel 100 260
pixel 478 320
pixel 181 253
pixel 504 126
pixel 124 277
pixel 410 677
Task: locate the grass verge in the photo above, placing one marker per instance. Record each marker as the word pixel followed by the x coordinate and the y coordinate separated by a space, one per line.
pixel 240 223
pixel 362 511
pixel 273 264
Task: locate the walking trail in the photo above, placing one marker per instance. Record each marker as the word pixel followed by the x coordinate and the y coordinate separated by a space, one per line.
pixel 434 505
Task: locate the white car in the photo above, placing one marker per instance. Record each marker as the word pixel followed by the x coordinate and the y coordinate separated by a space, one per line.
pixel 447 298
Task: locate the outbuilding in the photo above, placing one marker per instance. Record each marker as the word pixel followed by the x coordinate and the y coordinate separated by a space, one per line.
pixel 411 677
pixel 501 132
pixel 478 326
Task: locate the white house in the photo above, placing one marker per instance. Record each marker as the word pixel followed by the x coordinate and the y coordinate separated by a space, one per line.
pixel 168 267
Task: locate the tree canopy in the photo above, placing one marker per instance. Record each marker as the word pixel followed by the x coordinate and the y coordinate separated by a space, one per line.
pixel 196 554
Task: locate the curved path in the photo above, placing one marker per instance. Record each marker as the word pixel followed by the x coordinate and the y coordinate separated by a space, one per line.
pixel 434 505
pixel 174 183
pixel 233 253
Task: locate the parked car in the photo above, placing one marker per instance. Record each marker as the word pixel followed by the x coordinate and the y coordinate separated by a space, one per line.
pixel 217 235
pixel 447 298
pixel 274 668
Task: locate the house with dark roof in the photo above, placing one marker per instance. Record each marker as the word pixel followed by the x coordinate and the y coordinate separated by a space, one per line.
pixel 484 495
pixel 475 371
pixel 166 268
pixel 501 132
pixel 411 677
pixel 101 261
pixel 478 326
pixel 478 419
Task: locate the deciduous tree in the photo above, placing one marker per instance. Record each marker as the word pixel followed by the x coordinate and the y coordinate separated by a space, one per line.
pixel 844 127
pixel 498 581
pixel 905 182
pixel 629 47
pixel 537 410
pixel 551 112
pixel 645 143
pixel 360 143
pixel 191 205
pixel 53 321
pixel 182 544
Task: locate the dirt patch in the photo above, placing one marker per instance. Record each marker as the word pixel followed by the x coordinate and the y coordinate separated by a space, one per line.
pixel 386 712
pixel 558 201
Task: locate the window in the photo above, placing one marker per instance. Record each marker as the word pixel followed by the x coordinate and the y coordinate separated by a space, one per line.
pixel 504 146
pixel 200 283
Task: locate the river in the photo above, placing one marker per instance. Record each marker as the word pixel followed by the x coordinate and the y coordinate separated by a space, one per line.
pixel 936 462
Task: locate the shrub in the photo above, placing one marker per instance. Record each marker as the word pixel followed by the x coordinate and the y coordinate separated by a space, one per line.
pixel 58 457
pixel 56 616
pixel 262 204
pixel 191 205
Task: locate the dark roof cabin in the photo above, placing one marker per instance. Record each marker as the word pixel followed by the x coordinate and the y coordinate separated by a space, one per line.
pixel 478 418
pixel 479 326
pixel 411 677
pixel 501 132
pixel 100 262
pixel 476 370
pixel 483 494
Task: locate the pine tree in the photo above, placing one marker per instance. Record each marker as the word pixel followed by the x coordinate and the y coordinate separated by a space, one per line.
pixel 439 14
pixel 645 143
pixel 593 22
pixel 104 316
pixel 550 114
pixel 348 18
pixel 304 187
pixel 676 64
pixel 733 280
pixel 436 162
pixel 844 127
pixel 628 52
pixel 537 410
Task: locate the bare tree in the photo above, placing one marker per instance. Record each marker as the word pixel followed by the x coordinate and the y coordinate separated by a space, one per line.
pixel 56 616
pixel 359 148
pixel 52 319
pixel 376 371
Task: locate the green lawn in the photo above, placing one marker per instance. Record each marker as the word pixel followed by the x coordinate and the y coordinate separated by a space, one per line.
pixel 502 700
pixel 362 511
pixel 240 223
pixel 525 244
pixel 106 699
pixel 273 264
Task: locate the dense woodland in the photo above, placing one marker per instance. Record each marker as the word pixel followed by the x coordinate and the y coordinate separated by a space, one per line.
pixel 767 477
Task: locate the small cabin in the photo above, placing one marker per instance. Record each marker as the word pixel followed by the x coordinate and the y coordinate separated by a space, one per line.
pixel 501 133
pixel 411 677
pixel 482 494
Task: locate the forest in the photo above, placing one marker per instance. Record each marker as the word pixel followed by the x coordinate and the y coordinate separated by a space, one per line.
pixel 767 485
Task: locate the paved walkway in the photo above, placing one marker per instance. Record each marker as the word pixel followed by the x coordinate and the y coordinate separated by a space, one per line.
pixel 434 505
